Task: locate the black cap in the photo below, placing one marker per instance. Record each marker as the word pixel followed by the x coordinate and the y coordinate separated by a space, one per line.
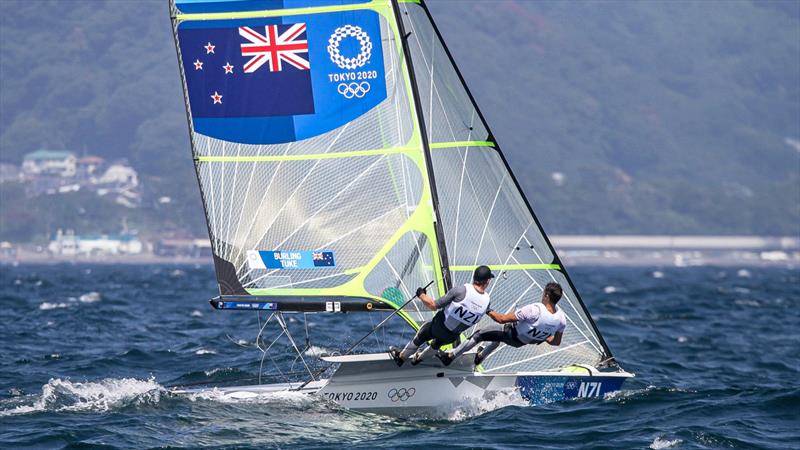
pixel 482 274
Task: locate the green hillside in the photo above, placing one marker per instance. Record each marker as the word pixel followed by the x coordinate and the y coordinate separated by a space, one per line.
pixel 662 117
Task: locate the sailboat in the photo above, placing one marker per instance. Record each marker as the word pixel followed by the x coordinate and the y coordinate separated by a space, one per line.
pixel 342 163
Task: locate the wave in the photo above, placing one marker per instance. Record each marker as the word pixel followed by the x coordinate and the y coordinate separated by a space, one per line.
pixel 280 398
pixel 625 394
pixel 659 443
pixel 496 400
pixel 317 351
pixel 46 306
pixel 90 297
pixel 97 396
pixel 205 351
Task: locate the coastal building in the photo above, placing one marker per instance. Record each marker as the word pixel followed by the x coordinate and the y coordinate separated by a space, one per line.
pixel 69 244
pixel 88 166
pixel 120 175
pixel 50 162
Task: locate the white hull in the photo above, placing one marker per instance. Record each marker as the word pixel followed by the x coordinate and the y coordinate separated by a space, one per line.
pixel 373 383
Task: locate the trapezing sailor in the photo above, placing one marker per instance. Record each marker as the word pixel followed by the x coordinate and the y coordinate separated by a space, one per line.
pixel 460 308
pixel 532 324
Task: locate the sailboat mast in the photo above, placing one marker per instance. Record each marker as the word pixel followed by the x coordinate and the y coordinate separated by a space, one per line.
pixel 556 258
pixel 448 282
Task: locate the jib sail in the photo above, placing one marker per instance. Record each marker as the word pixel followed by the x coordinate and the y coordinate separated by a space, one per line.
pixel 485 216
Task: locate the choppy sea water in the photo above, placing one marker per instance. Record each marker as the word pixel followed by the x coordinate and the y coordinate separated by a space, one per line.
pixel 88 354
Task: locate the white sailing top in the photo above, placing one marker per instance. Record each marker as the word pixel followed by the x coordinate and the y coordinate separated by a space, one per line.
pixel 535 323
pixel 464 309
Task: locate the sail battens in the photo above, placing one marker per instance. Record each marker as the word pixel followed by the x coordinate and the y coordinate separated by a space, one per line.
pixel 458 144
pixel 503 267
pixel 307 156
pixel 279 12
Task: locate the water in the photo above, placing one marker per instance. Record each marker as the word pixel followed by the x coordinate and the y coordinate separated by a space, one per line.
pixel 88 352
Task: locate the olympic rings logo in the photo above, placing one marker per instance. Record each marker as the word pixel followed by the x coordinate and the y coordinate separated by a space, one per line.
pixel 354 89
pixel 401 394
pixel 363 55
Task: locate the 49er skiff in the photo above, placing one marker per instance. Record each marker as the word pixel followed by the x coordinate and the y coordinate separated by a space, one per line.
pixel 342 163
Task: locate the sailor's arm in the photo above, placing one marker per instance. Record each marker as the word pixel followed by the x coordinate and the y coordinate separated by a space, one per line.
pixel 429 302
pixel 502 318
pixel 555 339
pixel 451 295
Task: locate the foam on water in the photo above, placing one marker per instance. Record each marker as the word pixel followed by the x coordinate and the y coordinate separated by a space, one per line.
pixel 46 306
pixel 280 398
pixel 317 351
pixel 498 399
pixel 659 443
pixel 90 297
pixel 97 396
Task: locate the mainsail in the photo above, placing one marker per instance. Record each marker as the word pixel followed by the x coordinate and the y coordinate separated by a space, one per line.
pixel 341 158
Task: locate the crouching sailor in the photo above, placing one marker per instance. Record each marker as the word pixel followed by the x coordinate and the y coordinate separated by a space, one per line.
pixel 460 308
pixel 532 324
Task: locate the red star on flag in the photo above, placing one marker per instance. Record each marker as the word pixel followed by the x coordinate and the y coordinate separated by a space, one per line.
pixel 228 67
pixel 216 97
pixel 209 48
pixel 198 65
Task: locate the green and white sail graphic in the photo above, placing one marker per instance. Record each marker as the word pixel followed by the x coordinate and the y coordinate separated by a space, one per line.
pixel 411 189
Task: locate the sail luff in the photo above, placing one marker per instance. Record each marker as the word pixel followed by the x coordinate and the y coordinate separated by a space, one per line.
pixel 491 138
pixel 419 116
pixel 173 13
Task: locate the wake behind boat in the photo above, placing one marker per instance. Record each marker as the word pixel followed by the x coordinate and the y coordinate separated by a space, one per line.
pixel 343 163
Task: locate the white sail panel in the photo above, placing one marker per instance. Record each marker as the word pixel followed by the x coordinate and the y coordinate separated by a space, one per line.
pixel 485 217
pixel 356 196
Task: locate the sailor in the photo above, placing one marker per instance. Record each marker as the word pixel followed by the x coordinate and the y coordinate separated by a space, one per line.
pixel 532 324
pixel 460 308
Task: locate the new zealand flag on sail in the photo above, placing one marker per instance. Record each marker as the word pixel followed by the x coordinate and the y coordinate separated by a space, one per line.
pixel 248 71
pixel 277 80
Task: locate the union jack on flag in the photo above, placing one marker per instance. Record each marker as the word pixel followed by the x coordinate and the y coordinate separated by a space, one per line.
pixel 274 48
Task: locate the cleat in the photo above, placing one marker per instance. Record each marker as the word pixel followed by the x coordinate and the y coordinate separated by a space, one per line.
pixel 415 359
pixel 445 357
pixel 394 352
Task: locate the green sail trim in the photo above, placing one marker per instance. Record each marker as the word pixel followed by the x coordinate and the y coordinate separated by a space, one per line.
pixel 510 267
pixel 281 12
pixel 350 154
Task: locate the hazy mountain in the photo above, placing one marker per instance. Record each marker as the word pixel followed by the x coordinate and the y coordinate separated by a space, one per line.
pixel 660 117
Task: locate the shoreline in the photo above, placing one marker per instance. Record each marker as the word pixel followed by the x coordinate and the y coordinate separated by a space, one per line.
pixel 666 260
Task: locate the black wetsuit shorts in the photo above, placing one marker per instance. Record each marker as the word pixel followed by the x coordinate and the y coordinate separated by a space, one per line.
pixel 435 331
pixel 507 335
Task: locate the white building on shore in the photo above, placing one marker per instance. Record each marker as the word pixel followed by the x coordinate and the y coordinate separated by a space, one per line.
pixel 69 244
pixel 50 162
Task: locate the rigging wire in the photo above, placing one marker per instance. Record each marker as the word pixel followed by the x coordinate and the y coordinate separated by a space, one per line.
pixel 352 347
pixel 289 335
